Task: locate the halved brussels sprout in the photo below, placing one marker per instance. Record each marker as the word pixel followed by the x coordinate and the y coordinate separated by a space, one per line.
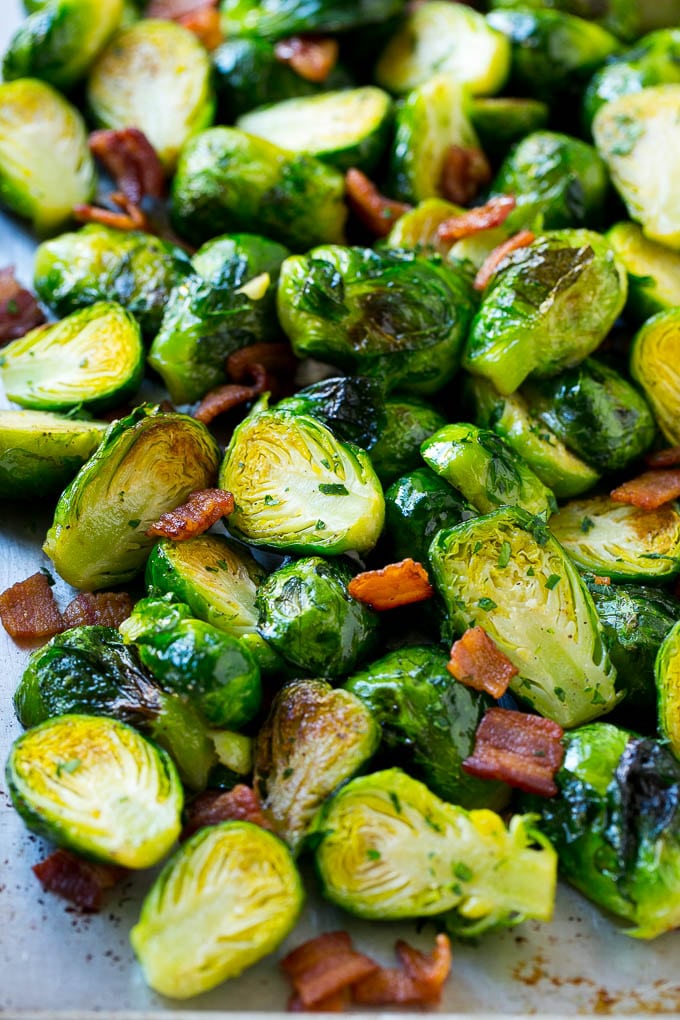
pixel 486 470
pixel 388 314
pixel 417 506
pixel 40 452
pixel 299 489
pixel 668 688
pixel 627 19
pixel 94 358
pixel 147 463
pixel 618 540
pixel 629 133
pixel 549 305
pixel 352 406
pixel 502 121
pixel 655 366
pixel 506 573
pixel 276 19
pixel 314 739
pixel 45 164
pixel 150 66
pixel 228 897
pixel 653 271
pixel 96 786
pixel 409 422
pixel 389 848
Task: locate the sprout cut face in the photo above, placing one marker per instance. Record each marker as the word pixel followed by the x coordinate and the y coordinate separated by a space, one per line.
pixel 655 365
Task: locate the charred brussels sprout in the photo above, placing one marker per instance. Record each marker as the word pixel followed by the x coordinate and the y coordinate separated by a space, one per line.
pixel 147 463
pixel 552 634
pixel 276 19
pixel 299 489
pixel 417 506
pixel 389 848
pixel 45 164
pixel 96 786
pixel 228 897
pixel 151 66
pixel 655 366
pixel 227 180
pixel 548 306
pixel 40 452
pixel 653 271
pixel 409 422
pixel 668 687
pixel 353 407
pixel 389 315
pixel 626 19
pixel 502 121
pixel 308 616
pixel 94 358
pixel 314 739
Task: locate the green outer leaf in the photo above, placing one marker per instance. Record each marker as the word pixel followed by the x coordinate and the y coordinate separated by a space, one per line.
pixel 276 19
pixel 667 671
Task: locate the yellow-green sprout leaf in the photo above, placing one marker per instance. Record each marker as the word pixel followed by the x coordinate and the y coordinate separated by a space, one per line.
pixel 655 365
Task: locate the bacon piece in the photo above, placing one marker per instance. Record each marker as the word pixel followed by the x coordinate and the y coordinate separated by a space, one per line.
pixel 464 171
pixel 419 983
pixel 19 310
pixel 312 57
pixel 669 457
pixel 29 611
pixel 478 662
pixel 492 262
pixel 223 399
pixel 337 1003
pixel 238 805
pixel 522 750
pixel 598 579
pixel 101 609
pixel 324 966
pixel 650 490
pixel 130 218
pixel 277 359
pixel 81 882
pixel 131 160
pixel 203 508
pixel 398 584
pixel 375 211
pixel 493 214
pixel 172 10
pixel 205 25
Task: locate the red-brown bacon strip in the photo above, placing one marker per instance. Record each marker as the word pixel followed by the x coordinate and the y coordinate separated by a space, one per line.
pixel 670 457
pixel 493 214
pixel 203 508
pixel 478 662
pixel 312 57
pixel 398 584
pixel 276 359
pixel 492 262
pixel 206 26
pixel 321 968
pixel 522 750
pixel 100 609
pixel 464 172
pixel 650 490
pixel 420 983
pixel 131 216
pixel 81 882
pixel 29 611
pixel 375 211
pixel 19 310
pixel 131 160
pixel 238 805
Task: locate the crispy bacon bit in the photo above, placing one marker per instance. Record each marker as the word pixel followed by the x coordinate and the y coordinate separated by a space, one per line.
pixel 419 983
pixel 19 310
pixel 205 25
pixel 324 966
pixel 492 262
pixel 650 490
pixel 131 160
pixel 103 609
pixel 331 1004
pixel 277 359
pixel 374 210
pixel 464 171
pixel 223 399
pixel 479 663
pixel 81 882
pixel 131 217
pixel 398 584
pixel 522 750
pixel 312 57
pixel 203 508
pixel 493 214
pixel 28 610
pixel 238 805
pixel 669 457
pixel 598 579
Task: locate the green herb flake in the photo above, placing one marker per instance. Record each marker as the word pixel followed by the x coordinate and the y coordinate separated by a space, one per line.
pixel 487 605
pixel 504 555
pixel 396 803
pixel 586 525
pixel 373 855
pixel 552 581
pixel 70 766
pixel 463 872
pixel 134 523
pixel 333 489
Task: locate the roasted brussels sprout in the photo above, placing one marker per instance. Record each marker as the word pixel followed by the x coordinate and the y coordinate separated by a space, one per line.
pixel 486 470
pixel 409 422
pixel 653 271
pixel 299 489
pixel 668 687
pixel 626 19
pixel 552 634
pixel 502 121
pixel 228 897
pixel 387 314
pixel 151 66
pixel 45 164
pixel 314 739
pixel 655 366
pixel 276 19
pixel 94 358
pixel 147 463
pixel 417 506
pixel 100 264
pixel 40 452
pixel 235 260
pixel 389 848
pixel 98 787
pixel 616 825
pixel 227 180
pixel 429 720
pixel 618 540
pixel 352 406
pixel 548 306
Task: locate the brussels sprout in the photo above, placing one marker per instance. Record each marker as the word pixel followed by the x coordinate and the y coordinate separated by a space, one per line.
pixel 429 720
pixel 308 616
pixel 100 264
pixel 277 19
pixel 506 573
pixel 151 66
pixel 96 786
pixel 314 739
pixel 502 121
pixel 417 506
pixel 235 260
pixel 93 358
pixel 59 41
pixel 147 463
pixel 653 271
pixel 596 413
pixel 40 452
pixel 45 164
pixel 191 657
pixel 616 825
pixel 549 305
pixel 557 181
pixel 388 314
pixel 352 406
pixel 228 897
pixel 630 132
pixel 389 848
pixel 627 19
pixel 655 366
pixel 227 180
pixel 88 670
pixel 668 685
pixel 438 38
pixel 512 419
pixel 409 422
pixel 620 541
pixel 299 489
